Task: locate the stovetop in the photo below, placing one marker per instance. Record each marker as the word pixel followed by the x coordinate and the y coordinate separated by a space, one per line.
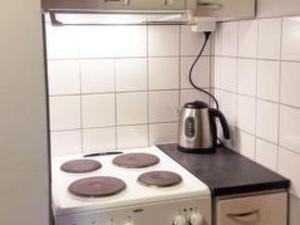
pixel 65 203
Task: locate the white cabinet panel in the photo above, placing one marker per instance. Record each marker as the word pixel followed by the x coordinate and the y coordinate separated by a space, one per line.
pixel 268 209
pixel 226 9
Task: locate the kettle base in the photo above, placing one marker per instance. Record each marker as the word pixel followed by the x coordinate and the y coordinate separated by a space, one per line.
pixel 197 150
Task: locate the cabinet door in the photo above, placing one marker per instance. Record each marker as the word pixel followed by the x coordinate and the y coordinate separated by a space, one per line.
pixel 226 9
pixel 268 209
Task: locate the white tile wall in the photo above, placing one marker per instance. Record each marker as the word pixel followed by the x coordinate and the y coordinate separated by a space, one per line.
pixel 267 113
pixel 247 77
pixel 120 86
pixel 97 75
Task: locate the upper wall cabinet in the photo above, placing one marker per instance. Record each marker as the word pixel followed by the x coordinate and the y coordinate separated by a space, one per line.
pixel 274 8
pixel 226 9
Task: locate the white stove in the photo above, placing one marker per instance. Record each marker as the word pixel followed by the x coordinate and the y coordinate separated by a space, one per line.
pixel 188 202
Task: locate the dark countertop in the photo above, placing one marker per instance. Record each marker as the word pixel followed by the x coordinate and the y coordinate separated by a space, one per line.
pixel 227 172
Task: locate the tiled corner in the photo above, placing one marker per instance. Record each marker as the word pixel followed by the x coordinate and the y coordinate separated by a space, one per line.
pixel 290 92
pixel 246 145
pixel 267 121
pixel 228 73
pixel 191 95
pixel 201 73
pixel 191 42
pixel 230 39
pixel 268 79
pixel 266 154
pixel 267 93
pixel 290 128
pixel 246 114
pixel 228 105
pixel 289 167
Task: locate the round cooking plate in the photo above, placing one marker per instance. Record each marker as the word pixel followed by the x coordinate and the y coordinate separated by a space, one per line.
pixel 81 166
pixel 159 179
pixel 95 187
pixel 136 160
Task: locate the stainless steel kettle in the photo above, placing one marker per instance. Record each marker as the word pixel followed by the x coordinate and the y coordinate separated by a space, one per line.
pixel 198 127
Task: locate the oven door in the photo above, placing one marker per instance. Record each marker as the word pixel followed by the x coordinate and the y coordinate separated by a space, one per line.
pixel 269 209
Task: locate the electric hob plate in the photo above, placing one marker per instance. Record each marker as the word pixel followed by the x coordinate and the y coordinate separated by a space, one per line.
pixel 159 179
pixel 136 160
pixel 95 187
pixel 81 166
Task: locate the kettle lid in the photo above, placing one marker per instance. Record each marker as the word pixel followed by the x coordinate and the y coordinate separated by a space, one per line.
pixel 196 105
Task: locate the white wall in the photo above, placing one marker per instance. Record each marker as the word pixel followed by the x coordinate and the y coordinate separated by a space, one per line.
pixel 257 64
pixel 23 132
pixel 115 87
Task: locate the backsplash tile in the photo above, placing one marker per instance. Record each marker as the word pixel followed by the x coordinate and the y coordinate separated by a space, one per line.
pixel 131 74
pixel 247 77
pixel 97 75
pixel 163 73
pixel 269 37
pixel 64 77
pixel 120 86
pixel 131 108
pixel 163 40
pixel 267 116
pixel 93 114
pixel 99 138
pixel 248 38
pixel 65 113
pixel 290 39
pixel 268 79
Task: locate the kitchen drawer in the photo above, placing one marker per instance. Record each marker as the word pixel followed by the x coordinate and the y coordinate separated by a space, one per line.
pixel 268 209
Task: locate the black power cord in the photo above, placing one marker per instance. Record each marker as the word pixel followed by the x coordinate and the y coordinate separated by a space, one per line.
pixel 207 35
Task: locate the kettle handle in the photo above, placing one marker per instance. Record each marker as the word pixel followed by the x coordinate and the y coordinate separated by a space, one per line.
pixel 218 114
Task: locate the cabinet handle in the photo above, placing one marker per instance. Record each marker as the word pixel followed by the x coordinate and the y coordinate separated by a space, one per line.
pixel 210 5
pixel 240 215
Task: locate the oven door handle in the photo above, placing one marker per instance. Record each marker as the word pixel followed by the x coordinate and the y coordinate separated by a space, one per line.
pixel 242 215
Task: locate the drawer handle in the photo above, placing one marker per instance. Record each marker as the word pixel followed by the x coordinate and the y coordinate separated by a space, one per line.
pixel 240 215
pixel 210 5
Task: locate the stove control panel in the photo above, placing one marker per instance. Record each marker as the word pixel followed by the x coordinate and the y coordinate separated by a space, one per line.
pixel 177 212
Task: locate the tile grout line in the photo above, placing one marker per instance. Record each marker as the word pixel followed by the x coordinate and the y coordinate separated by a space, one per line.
pixel 256 82
pixel 115 95
pixel 279 95
pixel 148 87
pixel 236 95
pixel 81 106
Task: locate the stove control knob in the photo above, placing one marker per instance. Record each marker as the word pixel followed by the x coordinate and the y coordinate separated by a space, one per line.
pixel 196 219
pixel 180 220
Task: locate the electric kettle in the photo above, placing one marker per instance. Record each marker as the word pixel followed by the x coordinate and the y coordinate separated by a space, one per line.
pixel 198 127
